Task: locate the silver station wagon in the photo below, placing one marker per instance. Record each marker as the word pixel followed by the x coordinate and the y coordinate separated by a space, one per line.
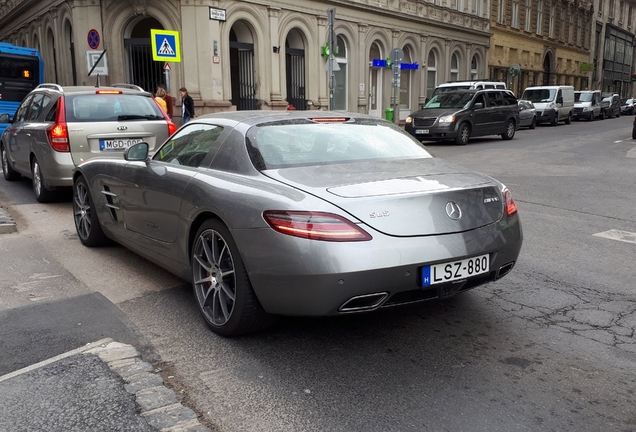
pixel 56 128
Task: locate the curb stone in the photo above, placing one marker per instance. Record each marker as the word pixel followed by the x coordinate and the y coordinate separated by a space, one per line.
pixel 160 406
pixel 7 224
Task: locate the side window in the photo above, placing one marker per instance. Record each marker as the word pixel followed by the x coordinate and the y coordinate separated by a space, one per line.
pixel 21 113
pixel 52 114
pixel 190 146
pixel 494 99
pixel 509 99
pixel 480 99
pixel 36 107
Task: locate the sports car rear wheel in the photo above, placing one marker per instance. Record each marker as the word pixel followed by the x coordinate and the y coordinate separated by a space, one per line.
pixel 86 222
pixel 222 288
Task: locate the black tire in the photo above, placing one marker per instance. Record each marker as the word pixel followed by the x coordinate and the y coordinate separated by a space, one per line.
pixel 555 120
pixel 222 288
pixel 510 131
pixel 602 114
pixel 463 134
pixel 534 123
pixel 42 193
pixel 591 116
pixel 568 120
pixel 85 216
pixel 9 173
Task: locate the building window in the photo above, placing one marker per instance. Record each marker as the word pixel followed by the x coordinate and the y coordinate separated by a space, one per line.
pixel 562 25
pixel 405 82
pixel 515 14
pixel 571 29
pixel 502 13
pixel 611 9
pixel 579 26
pixel 340 92
pixel 629 17
pixel 474 69
pixel 528 23
pixel 540 17
pixel 431 73
pixel 454 69
pixel 551 26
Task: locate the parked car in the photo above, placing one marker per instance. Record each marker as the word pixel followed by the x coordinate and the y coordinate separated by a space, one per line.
pixel 634 129
pixel 300 213
pixel 462 114
pixel 553 103
pixel 587 105
pixel 56 128
pixel 527 114
pixel 611 105
pixel 627 106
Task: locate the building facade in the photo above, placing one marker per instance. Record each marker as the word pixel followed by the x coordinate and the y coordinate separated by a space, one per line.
pixel 541 42
pixel 251 55
pixel 613 46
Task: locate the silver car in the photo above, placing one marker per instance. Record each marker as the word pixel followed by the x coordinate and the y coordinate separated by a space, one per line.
pixel 300 213
pixel 56 128
pixel 527 114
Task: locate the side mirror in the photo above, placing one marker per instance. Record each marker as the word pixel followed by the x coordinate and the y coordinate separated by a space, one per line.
pixel 137 152
pixel 559 100
pixel 5 118
pixel 478 105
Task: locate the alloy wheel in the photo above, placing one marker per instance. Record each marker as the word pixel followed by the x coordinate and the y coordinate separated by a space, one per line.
pixel 214 277
pixel 82 211
pixel 37 179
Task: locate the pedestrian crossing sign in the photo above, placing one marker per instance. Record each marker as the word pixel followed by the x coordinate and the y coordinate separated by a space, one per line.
pixel 165 45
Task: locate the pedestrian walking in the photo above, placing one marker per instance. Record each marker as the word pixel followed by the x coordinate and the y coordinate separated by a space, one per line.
pixel 160 98
pixel 187 105
pixel 168 99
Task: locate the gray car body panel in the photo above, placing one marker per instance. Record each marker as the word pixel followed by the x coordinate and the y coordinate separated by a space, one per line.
pixel 291 275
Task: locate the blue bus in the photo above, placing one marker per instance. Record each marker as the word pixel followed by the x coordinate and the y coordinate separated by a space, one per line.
pixel 21 70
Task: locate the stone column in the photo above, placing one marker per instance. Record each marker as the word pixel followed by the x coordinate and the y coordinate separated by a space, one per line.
pixel 423 73
pixel 277 102
pixel 323 95
pixel 363 61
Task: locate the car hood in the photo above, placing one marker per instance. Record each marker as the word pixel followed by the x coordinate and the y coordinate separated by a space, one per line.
pixel 435 112
pixel 403 198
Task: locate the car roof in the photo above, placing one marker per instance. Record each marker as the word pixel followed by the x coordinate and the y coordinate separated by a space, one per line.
pixel 264 116
pixel 127 89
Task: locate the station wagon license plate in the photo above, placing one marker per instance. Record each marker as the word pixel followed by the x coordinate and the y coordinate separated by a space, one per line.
pixel 118 144
pixel 421 131
pixel 456 270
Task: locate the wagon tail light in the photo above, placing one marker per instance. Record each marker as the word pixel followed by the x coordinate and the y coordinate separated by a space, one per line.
pixel 58 132
pixel 172 128
pixel 509 202
pixel 315 226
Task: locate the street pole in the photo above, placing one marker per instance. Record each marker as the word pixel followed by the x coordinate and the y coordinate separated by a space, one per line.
pixel 331 13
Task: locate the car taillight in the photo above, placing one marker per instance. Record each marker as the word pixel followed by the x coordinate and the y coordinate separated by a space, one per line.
pixel 509 202
pixel 58 132
pixel 172 128
pixel 315 226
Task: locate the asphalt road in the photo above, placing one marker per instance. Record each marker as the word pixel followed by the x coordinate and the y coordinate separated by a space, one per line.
pixel 548 348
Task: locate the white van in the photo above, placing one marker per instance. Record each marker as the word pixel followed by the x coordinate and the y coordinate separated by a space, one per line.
pixel 553 103
pixel 468 85
pixel 587 105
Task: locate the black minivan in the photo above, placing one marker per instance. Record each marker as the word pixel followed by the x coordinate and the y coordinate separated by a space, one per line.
pixel 460 115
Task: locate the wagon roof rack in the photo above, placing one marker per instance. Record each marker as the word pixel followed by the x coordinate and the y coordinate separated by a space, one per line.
pixel 128 86
pixel 51 86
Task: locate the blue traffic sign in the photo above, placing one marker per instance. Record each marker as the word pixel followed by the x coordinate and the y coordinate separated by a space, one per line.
pixel 165 45
pixel 93 39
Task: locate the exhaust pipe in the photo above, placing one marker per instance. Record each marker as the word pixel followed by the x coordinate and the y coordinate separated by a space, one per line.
pixel 505 269
pixel 363 302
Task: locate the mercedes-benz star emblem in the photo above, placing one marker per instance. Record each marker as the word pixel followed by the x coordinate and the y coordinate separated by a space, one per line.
pixel 453 211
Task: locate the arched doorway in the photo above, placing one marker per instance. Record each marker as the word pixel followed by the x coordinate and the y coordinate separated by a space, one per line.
pixel 50 45
pixel 295 69
pixel 142 69
pixel 375 82
pixel 242 67
pixel 547 67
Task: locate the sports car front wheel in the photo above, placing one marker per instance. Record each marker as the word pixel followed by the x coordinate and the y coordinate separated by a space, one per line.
pixel 221 285
pixel 86 222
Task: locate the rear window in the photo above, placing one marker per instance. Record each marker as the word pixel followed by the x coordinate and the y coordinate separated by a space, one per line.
pixel 111 107
pixel 305 143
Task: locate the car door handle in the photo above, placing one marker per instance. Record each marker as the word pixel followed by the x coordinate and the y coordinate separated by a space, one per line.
pixel 28 134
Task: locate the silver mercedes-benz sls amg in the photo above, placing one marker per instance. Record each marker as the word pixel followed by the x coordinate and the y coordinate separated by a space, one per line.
pixel 300 213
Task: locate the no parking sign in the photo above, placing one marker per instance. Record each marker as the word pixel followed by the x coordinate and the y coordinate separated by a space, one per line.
pixel 93 39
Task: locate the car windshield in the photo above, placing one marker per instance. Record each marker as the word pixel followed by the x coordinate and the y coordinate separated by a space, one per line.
pixel 583 97
pixel 111 107
pixel 445 89
pixel 304 142
pixel 539 95
pixel 449 100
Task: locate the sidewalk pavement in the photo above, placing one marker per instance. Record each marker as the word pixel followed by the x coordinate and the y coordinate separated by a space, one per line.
pixel 103 386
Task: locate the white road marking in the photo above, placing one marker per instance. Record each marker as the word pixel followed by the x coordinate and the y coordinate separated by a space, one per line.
pixel 624 236
pixel 631 153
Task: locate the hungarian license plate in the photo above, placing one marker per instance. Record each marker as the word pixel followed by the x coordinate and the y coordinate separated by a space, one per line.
pixel 118 143
pixel 456 270
pixel 421 131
